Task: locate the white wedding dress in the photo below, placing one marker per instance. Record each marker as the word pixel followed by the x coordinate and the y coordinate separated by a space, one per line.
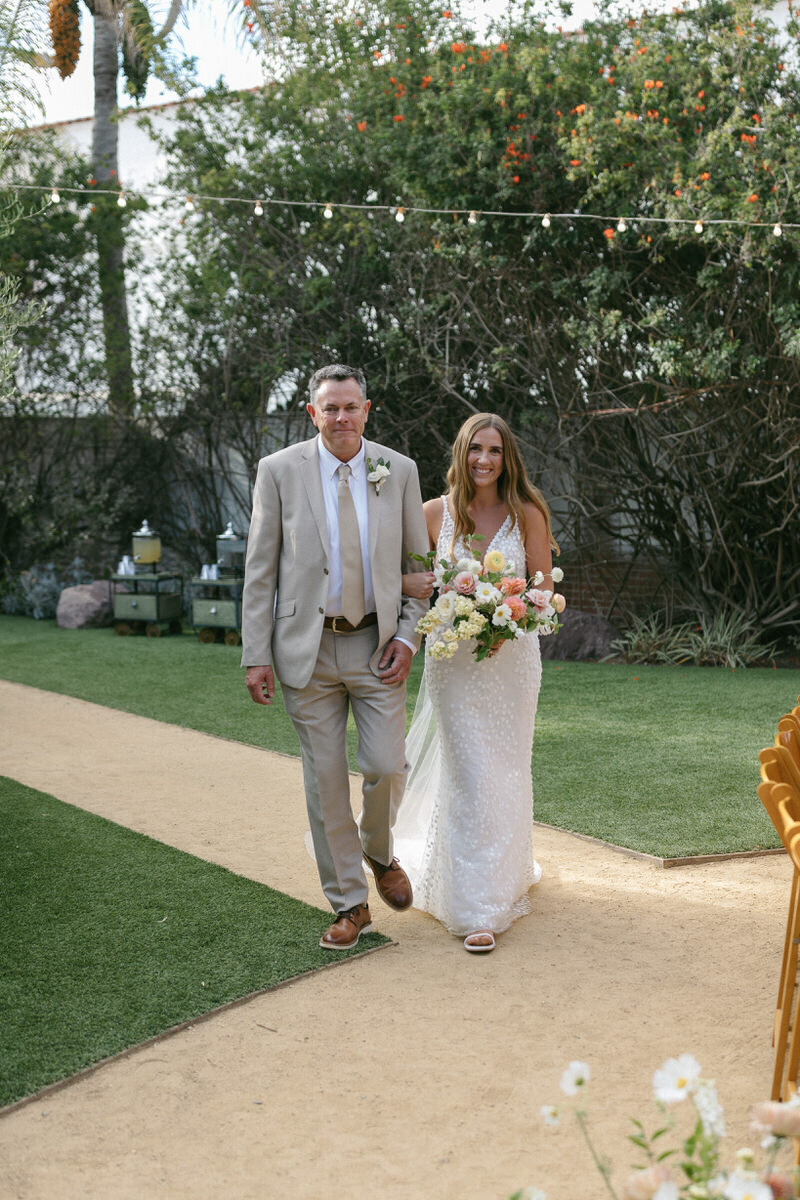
pixel 464 832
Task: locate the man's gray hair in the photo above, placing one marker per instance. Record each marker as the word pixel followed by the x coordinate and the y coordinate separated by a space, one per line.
pixel 338 371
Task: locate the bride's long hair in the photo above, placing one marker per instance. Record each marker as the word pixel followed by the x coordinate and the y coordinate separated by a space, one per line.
pixel 513 487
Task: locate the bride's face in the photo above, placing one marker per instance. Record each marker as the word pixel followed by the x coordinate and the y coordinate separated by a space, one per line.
pixel 485 457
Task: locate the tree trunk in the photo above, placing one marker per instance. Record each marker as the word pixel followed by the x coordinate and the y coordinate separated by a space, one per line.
pixel 108 215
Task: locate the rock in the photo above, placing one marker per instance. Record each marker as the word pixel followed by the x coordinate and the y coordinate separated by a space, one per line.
pixel 86 606
pixel 583 635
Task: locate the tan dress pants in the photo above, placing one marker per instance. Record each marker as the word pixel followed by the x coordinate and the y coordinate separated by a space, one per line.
pixel 342 680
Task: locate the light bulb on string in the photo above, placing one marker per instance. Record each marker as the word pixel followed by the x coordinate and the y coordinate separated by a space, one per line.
pixel 55 196
pixel 472 219
pixel 121 201
pixel 259 209
pixel 776 230
pixel 546 221
pixel 622 225
pixel 400 215
pixel 328 213
pixel 698 227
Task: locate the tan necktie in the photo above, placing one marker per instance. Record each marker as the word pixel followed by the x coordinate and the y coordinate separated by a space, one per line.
pixel 350 550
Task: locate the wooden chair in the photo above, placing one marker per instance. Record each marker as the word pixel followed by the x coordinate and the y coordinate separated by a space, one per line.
pixel 779 792
pixel 788 734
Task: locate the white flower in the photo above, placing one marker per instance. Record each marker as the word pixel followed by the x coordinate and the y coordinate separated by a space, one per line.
pixel 550 1114
pixel 502 615
pixel 469 564
pixel 709 1108
pixel 464 606
pixel 446 604
pixel 676 1078
pixel 519 633
pixel 486 593
pixel 575 1078
pixel 533 1193
pixel 538 579
pixel 667 1191
pixel 746 1187
pixel 376 473
pixel 557 574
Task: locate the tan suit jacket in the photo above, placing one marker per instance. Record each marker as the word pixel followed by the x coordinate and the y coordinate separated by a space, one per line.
pixel 286 572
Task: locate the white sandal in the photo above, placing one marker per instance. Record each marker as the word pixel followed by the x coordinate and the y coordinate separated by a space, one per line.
pixel 479 947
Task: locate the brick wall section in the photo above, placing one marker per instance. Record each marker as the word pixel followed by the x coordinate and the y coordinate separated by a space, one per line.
pixel 591 584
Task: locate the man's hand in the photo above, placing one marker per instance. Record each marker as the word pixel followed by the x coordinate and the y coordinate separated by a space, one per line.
pixel 395 662
pixel 260 683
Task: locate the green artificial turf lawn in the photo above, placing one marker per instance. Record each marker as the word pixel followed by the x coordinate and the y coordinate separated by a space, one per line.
pixel 659 759
pixel 110 938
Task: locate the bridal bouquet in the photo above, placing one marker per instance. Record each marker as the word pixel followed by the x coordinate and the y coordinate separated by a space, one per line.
pixel 488 602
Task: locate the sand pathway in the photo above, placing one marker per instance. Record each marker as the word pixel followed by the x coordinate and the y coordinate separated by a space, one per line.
pixel 417 1071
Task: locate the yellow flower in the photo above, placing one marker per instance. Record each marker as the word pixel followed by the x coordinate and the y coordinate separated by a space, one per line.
pixel 494 561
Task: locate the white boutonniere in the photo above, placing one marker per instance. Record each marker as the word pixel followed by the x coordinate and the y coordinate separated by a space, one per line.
pixel 377 472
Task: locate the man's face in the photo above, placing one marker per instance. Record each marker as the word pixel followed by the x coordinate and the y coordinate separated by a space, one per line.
pixel 340 414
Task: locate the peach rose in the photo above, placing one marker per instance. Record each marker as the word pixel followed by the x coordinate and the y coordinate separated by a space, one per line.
pixel 512 585
pixel 643 1185
pixel 517 606
pixel 782 1185
pixel 464 583
pixel 781 1119
pixel 495 560
pixel 558 602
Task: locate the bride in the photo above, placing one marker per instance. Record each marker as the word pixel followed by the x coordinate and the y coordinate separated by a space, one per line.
pixel 465 827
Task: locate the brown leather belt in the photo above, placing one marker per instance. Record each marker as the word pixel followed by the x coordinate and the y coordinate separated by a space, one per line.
pixel 342 625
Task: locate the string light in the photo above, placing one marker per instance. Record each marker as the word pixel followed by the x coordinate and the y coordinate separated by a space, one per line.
pixel 121 201
pixel 778 229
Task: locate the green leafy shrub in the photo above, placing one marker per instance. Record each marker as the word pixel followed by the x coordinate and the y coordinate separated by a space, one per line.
pixel 729 639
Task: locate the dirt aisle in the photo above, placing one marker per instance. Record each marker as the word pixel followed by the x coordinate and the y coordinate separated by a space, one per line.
pixel 417 1071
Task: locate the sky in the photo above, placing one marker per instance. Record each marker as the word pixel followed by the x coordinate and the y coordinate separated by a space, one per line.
pixel 212 39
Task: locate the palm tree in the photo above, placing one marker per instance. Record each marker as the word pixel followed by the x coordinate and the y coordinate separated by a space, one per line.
pixel 125 40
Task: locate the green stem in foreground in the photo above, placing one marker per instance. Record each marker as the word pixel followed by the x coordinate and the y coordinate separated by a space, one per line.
pixel 602 1166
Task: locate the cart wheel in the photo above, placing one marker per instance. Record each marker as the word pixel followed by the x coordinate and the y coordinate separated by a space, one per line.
pixel 175 627
pixel 153 630
pixel 207 636
pixel 122 629
pixel 232 637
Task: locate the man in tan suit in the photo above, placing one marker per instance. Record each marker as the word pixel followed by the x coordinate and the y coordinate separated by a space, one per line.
pixel 323 604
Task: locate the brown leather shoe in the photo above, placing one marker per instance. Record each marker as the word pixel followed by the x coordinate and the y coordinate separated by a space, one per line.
pixel 347 928
pixel 394 886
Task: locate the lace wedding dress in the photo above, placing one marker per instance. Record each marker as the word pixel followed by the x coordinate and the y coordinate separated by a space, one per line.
pixel 464 832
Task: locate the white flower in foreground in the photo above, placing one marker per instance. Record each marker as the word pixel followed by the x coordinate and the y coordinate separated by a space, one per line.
pixel 745 1187
pixel 538 579
pixel 676 1078
pixel 550 1114
pixel 532 1193
pixel 575 1078
pixel 557 574
pixel 709 1108
pixel 667 1191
